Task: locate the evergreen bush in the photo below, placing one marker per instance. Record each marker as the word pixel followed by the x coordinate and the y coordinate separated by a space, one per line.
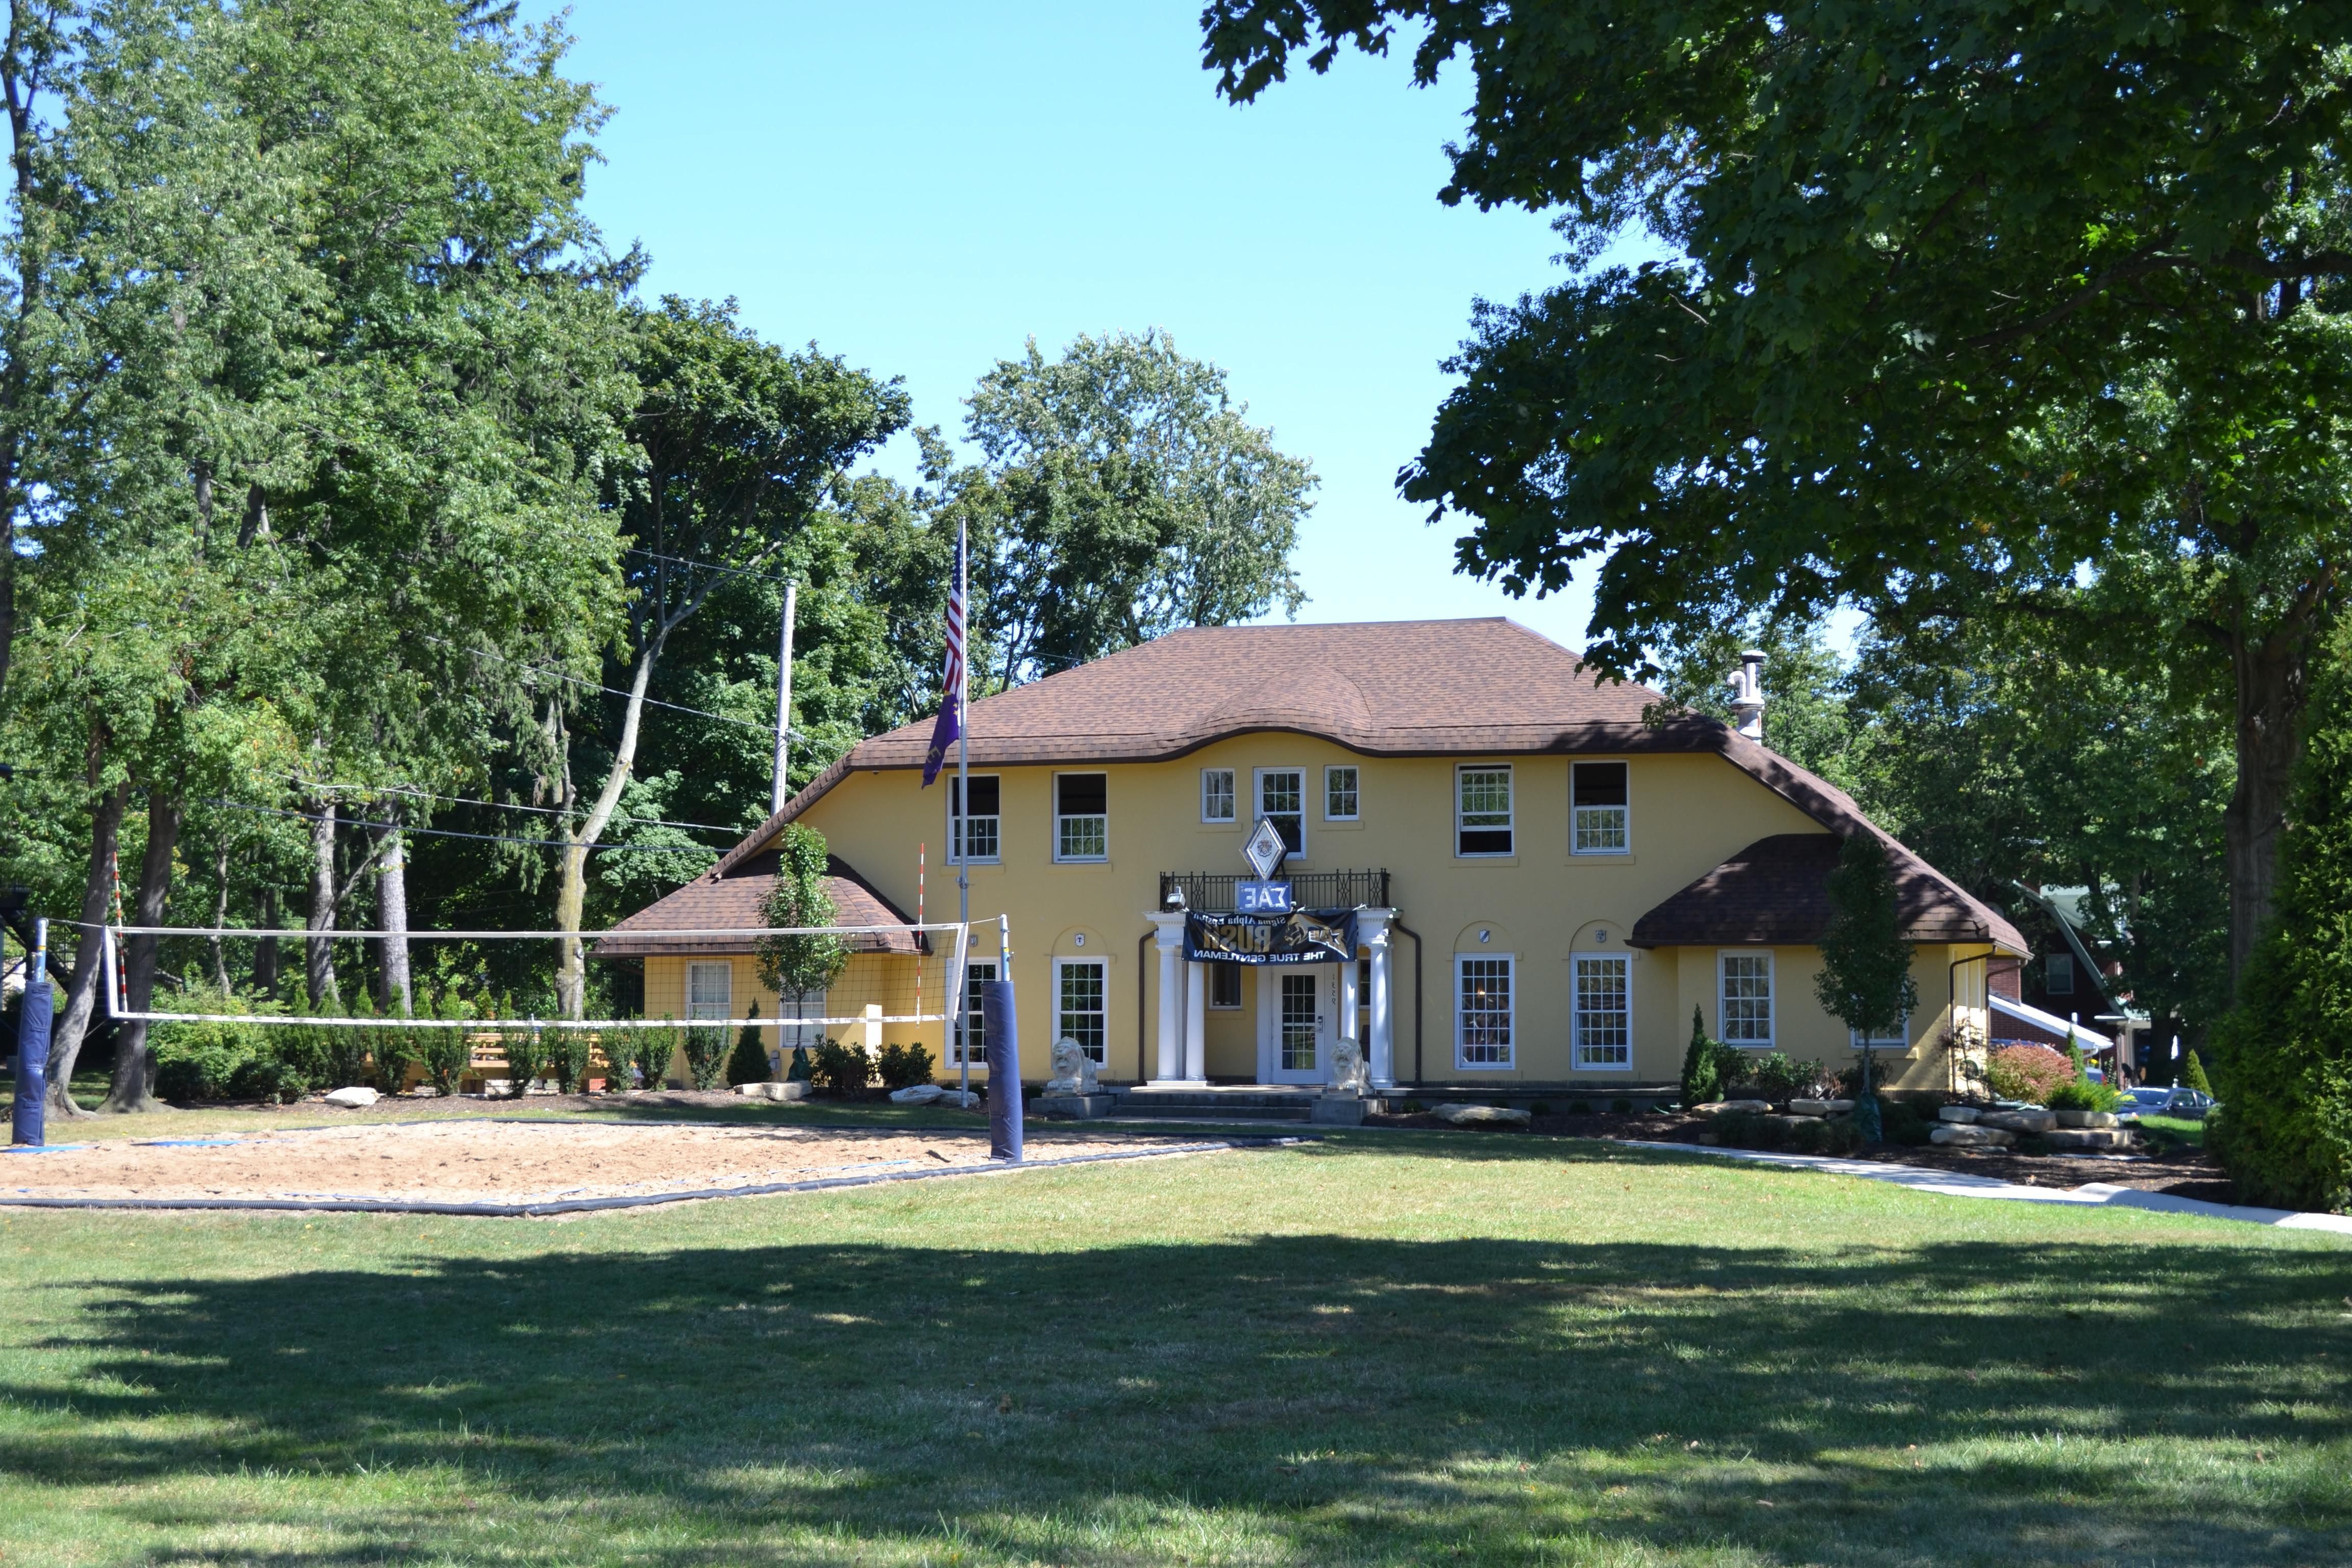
pixel 2283 1058
pixel 2081 1094
pixel 199 1062
pixel 445 1054
pixel 749 1062
pixel 568 1058
pixel 1702 1065
pixel 528 1055
pixel 2192 1074
pixel 707 1051
pixel 651 1051
pixel 841 1068
pixel 904 1066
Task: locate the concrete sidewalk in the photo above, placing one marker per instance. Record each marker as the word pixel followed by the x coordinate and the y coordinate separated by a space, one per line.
pixel 1960 1185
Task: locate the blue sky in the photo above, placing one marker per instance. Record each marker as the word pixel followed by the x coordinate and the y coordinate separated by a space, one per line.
pixel 922 186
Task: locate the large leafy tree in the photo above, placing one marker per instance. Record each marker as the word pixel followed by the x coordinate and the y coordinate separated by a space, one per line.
pixel 1122 494
pixel 1973 303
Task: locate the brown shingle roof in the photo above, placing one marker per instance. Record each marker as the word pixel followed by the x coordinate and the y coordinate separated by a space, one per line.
pixel 1777 891
pixel 732 898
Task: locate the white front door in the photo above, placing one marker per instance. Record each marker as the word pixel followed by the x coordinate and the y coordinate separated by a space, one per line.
pixel 1298 1019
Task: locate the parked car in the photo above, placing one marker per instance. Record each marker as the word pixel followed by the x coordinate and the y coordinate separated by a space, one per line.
pixel 2158 1100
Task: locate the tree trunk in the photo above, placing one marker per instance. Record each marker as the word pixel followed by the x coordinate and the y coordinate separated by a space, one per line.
pixel 2272 679
pixel 317 952
pixel 89 934
pixel 135 1060
pixel 391 898
pixel 265 952
pixel 571 890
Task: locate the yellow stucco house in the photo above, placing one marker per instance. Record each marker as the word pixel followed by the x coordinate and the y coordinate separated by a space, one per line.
pixel 1537 886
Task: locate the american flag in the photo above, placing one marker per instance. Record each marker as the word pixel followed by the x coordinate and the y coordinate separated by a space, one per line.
pixel 950 724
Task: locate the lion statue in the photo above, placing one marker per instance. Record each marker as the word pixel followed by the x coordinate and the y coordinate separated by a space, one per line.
pixel 1074 1071
pixel 1347 1068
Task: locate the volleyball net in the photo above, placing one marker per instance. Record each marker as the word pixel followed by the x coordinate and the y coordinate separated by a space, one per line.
pixel 804 979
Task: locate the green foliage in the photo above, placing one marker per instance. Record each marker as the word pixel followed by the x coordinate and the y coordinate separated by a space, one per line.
pixel 2030 1073
pixel 1914 349
pixel 652 1051
pixel 530 1054
pixel 1123 495
pixel 1772 1075
pixel 841 1068
pixel 706 1049
pixel 2283 1066
pixel 1866 975
pixel 2192 1074
pixel 1702 1081
pixel 198 1062
pixel 792 965
pixel 1795 1134
pixel 1901 1123
pixel 444 1053
pixel 568 1056
pixel 750 1063
pixel 1620 1106
pixel 904 1066
pixel 2081 1094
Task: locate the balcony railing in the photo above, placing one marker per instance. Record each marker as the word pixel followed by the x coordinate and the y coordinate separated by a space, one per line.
pixel 1212 892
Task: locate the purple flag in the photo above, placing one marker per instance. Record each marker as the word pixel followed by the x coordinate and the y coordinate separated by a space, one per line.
pixel 950 724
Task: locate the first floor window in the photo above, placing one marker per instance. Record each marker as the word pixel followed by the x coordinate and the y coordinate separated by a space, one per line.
pixel 1597 805
pixel 1745 1004
pixel 1339 803
pixel 1081 817
pixel 709 990
pixel 972 1030
pixel 1078 1011
pixel 791 1032
pixel 1216 794
pixel 1483 1011
pixel 1603 1013
pixel 1482 815
pixel 978 825
pixel 1225 985
pixel 1898 1038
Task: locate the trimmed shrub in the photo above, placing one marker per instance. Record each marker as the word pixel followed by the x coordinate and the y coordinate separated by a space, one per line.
pixel 1797 1135
pixel 1769 1075
pixel 651 1052
pixel 445 1054
pixel 197 1062
pixel 749 1062
pixel 1900 1122
pixel 1620 1106
pixel 2027 1072
pixel 1701 1067
pixel 1579 1107
pixel 841 1068
pixel 528 1053
pixel 706 1055
pixel 2082 1095
pixel 904 1066
pixel 568 1058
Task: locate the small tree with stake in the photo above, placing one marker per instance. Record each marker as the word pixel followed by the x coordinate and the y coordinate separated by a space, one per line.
pixel 794 965
pixel 1866 979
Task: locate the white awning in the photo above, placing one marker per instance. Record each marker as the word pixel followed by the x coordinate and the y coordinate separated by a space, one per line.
pixel 2089 1039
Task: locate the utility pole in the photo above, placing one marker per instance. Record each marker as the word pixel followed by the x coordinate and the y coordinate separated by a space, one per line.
pixel 778 791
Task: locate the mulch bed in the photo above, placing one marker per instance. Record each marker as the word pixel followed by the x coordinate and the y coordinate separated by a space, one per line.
pixel 2185 1171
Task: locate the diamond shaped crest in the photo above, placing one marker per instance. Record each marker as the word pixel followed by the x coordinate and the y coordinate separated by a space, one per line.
pixel 1264 848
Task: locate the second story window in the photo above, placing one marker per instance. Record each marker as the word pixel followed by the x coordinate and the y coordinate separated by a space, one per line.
pixel 1216 794
pixel 1597 805
pixel 1482 814
pixel 975 826
pixel 1282 800
pixel 2058 974
pixel 1340 793
pixel 1081 817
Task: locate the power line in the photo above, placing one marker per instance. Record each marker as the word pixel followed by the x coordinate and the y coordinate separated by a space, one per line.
pixel 705 565
pixel 514 805
pixel 608 690
pixel 484 838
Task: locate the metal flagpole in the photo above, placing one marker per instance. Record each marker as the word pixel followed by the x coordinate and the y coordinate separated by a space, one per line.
pixel 961 801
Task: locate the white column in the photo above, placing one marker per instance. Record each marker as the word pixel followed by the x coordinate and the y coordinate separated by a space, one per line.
pixel 1348 1001
pixel 1170 942
pixel 1372 931
pixel 1196 1002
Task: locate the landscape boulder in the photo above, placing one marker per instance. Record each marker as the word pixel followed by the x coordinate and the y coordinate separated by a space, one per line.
pixel 2089 1138
pixel 1482 1116
pixel 1960 1115
pixel 356 1098
pixel 916 1094
pixel 1820 1107
pixel 1961 1136
pixel 1728 1107
pixel 2088 1118
pixel 2020 1120
pixel 961 1099
pixel 792 1089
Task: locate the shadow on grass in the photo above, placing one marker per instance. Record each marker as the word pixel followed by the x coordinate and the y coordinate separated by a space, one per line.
pixel 1347 1398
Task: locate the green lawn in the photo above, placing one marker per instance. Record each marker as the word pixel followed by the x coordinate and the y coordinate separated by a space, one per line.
pixel 1383 1348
